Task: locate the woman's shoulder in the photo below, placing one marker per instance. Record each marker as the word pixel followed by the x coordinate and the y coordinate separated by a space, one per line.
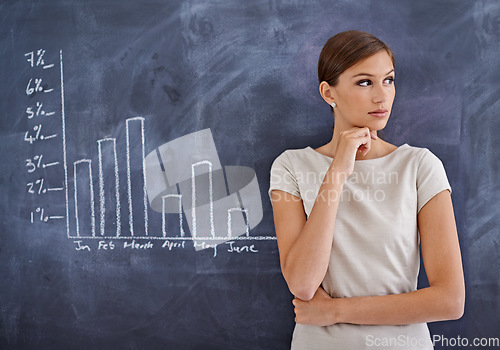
pixel 301 159
pixel 292 153
pixel 420 157
pixel 416 151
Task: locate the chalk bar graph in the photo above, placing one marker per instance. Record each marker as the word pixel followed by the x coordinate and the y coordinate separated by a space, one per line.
pixel 182 177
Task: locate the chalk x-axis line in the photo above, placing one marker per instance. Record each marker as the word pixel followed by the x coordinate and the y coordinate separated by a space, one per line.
pixel 177 238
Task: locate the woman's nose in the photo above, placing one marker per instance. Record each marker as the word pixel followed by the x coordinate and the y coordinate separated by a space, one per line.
pixel 380 94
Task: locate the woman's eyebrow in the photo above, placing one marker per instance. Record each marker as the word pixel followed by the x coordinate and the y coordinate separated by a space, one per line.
pixel 371 75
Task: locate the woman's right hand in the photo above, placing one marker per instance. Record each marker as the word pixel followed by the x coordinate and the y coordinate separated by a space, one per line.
pixel 350 142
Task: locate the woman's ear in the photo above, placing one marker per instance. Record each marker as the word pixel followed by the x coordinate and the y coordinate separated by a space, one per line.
pixel 326 92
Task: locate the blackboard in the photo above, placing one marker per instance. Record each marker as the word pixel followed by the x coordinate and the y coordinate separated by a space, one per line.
pixel 92 88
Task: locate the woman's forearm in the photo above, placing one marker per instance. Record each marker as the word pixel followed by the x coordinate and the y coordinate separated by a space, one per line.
pixel 307 260
pixel 435 303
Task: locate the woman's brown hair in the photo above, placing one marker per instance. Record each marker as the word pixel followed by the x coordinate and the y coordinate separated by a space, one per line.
pixel 344 50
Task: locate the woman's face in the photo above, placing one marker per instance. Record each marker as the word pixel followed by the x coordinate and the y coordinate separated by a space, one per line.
pixel 364 93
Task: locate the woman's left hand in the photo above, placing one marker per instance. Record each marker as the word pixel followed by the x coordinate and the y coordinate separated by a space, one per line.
pixel 318 311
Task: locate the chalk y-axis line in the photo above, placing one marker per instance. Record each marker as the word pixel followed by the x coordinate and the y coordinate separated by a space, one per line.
pixel 65 159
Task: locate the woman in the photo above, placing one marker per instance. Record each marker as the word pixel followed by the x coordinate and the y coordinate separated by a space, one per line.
pixel 349 217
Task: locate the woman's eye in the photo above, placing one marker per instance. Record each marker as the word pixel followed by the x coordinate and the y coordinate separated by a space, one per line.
pixel 389 80
pixel 364 82
pixel 368 82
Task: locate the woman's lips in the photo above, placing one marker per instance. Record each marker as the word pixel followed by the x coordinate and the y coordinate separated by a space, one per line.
pixel 379 113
